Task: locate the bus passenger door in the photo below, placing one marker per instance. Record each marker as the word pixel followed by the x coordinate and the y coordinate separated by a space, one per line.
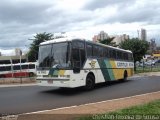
pixel 78 55
pixel 76 60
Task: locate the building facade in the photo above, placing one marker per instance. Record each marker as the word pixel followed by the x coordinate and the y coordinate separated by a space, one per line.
pixel 119 38
pixel 18 52
pixel 143 34
pixel 101 36
pixel 95 38
pixel 152 45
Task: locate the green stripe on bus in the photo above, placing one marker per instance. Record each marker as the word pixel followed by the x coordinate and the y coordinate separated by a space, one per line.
pixel 105 71
pixel 111 74
pixel 53 71
pixel 110 71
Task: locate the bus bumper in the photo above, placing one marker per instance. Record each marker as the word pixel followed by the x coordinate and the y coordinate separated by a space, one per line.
pixel 65 82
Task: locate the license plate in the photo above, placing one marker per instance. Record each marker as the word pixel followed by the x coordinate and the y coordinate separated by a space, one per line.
pixel 50 81
pixel 43 72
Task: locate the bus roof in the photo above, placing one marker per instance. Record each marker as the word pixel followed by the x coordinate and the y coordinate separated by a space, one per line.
pixel 79 38
pixel 27 63
pixel 116 48
pixel 64 39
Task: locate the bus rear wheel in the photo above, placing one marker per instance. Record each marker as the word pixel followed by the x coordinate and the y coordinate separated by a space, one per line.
pixel 125 76
pixel 31 74
pixel 2 76
pixel 90 82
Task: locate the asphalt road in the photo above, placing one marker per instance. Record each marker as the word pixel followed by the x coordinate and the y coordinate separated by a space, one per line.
pixel 16 100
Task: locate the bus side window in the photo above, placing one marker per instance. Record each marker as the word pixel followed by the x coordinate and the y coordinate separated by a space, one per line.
pixel 16 67
pixel 130 57
pixel 89 50
pixel 2 68
pixel 75 57
pixel 118 54
pixel 31 66
pixel 78 54
pixel 95 51
pixel 106 53
pixel 121 55
pixel 24 66
pixel 101 51
pixel 110 53
pixel 125 55
pixel 83 56
pixel 114 54
pixel 8 68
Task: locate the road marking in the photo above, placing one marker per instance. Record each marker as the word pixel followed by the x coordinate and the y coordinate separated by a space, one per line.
pixel 89 103
pixel 50 110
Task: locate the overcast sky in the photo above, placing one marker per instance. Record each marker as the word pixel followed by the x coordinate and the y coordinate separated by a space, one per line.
pixel 21 19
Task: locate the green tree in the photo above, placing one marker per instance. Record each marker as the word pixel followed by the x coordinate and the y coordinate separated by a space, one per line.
pixel 138 48
pixel 109 41
pixel 34 48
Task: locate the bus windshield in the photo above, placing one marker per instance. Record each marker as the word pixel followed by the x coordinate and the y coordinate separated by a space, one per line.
pixel 54 55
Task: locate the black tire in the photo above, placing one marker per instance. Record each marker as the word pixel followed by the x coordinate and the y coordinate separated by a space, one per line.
pixel 125 76
pixel 90 82
pixel 2 76
pixel 63 88
pixel 31 74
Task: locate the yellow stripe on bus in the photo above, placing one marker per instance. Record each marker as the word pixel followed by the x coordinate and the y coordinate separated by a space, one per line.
pixel 61 72
pixel 118 73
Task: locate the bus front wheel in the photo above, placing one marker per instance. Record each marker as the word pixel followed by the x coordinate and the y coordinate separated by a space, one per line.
pixel 90 82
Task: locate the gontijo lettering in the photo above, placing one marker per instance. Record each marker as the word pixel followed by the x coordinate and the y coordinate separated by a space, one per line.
pixel 122 64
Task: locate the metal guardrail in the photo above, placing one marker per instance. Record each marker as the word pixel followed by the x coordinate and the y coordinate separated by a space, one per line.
pixel 17 80
pixel 148 68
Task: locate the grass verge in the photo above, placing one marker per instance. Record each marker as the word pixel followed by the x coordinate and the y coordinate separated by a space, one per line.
pixel 150 111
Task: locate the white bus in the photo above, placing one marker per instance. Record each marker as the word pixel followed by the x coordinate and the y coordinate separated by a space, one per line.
pixel 18 70
pixel 75 62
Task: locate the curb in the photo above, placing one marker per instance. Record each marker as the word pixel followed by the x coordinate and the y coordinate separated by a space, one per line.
pixel 103 106
pixel 18 85
pixel 73 112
